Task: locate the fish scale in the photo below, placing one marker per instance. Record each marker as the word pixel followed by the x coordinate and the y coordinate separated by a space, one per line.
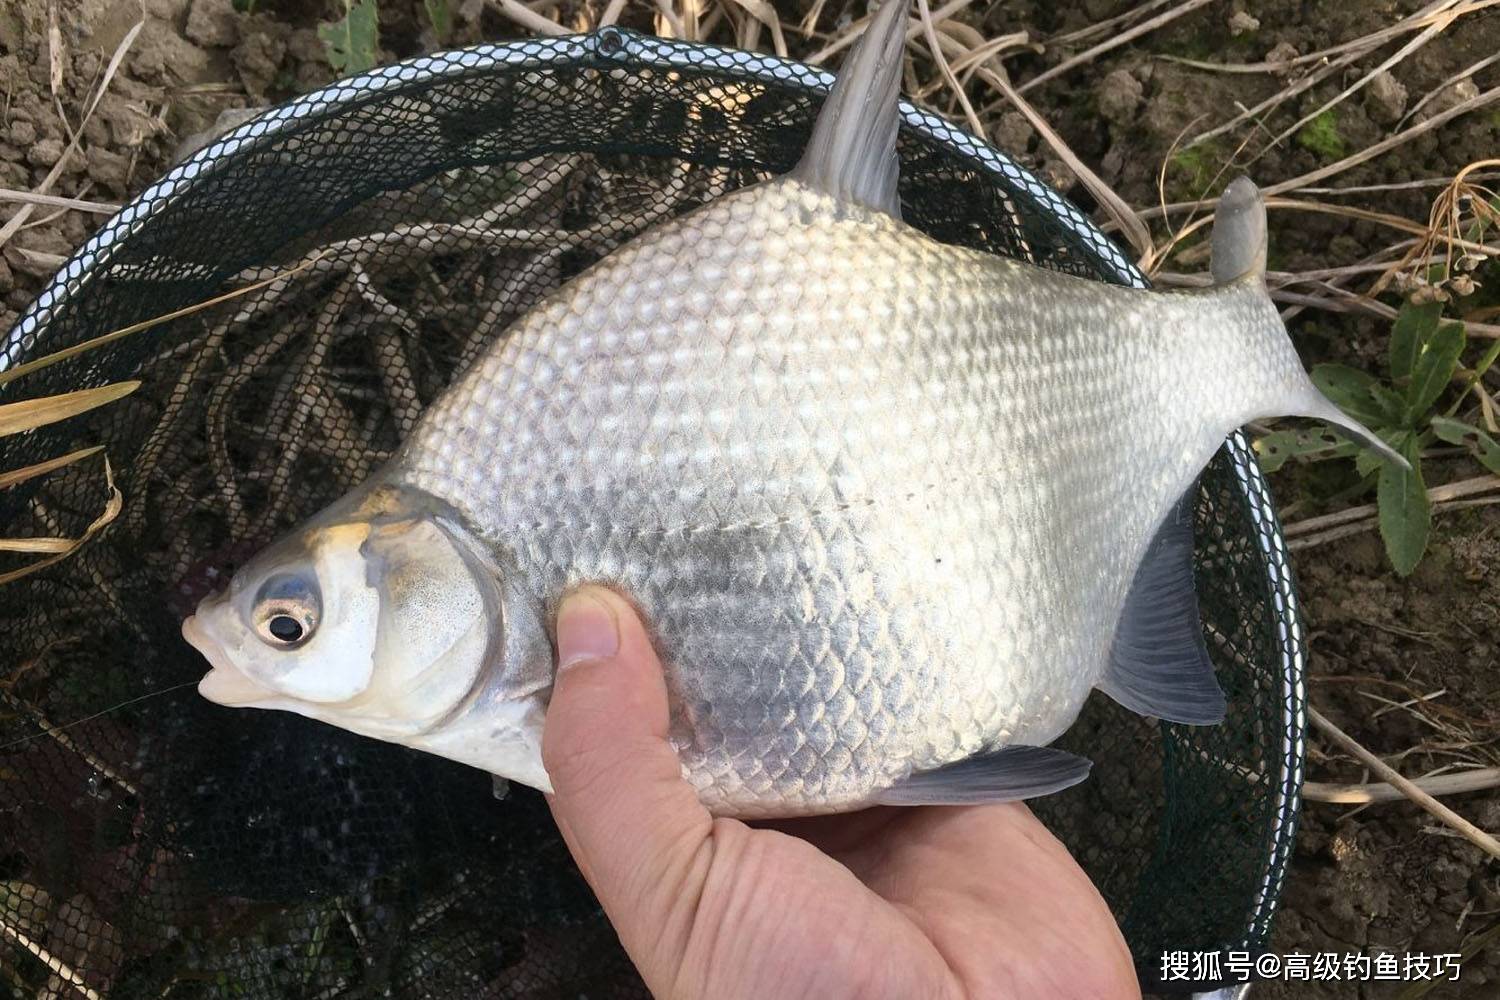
pixel 870 440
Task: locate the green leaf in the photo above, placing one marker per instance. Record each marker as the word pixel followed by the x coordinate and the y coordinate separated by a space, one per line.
pixel 1322 136
pixel 1390 404
pixel 1349 388
pixel 1311 445
pixel 352 43
pixel 440 17
pixel 1433 370
pixel 1485 448
pixel 1369 461
pixel 1453 431
pixel 1414 327
pixel 1470 377
pixel 1488 359
pixel 1405 513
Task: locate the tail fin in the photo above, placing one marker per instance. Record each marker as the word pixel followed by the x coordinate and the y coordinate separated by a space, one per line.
pixel 1239 253
pixel 852 152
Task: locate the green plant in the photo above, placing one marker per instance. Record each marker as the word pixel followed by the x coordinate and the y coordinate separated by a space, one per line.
pixel 440 17
pixel 1425 353
pixel 353 41
pixel 1193 169
pixel 1321 136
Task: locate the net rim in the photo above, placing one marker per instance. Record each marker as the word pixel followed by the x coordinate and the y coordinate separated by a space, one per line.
pixel 630 48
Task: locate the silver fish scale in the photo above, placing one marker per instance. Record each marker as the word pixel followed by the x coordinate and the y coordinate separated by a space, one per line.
pixel 880 498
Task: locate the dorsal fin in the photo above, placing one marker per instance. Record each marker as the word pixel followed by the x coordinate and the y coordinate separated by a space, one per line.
pixel 1239 239
pixel 852 152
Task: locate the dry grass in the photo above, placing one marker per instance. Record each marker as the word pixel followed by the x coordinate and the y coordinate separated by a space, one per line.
pixel 57 553
pixel 29 414
pixel 58 967
pixel 1114 42
pixel 16 221
pixel 1408 789
pixel 1314 531
pixel 1463 208
pixel 1369 792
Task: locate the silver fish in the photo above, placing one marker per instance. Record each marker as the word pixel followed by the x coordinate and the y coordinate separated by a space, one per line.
pixel 893 508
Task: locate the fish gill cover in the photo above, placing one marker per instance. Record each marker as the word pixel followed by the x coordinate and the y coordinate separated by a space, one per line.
pixel 169 846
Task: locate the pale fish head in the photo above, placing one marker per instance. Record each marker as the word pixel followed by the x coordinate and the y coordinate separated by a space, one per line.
pixel 384 617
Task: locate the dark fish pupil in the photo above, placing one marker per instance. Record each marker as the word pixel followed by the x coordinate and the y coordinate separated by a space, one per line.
pixel 285 627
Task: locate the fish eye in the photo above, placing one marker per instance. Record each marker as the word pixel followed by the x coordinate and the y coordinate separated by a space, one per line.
pixel 286 611
pixel 284 628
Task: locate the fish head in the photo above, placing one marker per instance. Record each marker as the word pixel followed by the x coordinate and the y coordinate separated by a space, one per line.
pixel 377 616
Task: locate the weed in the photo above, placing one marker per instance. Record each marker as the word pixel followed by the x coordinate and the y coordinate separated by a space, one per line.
pixel 1321 137
pixel 1191 170
pixel 1425 351
pixel 440 17
pixel 353 41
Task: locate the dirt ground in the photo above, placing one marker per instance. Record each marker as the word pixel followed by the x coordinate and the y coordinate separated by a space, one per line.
pixel 1385 877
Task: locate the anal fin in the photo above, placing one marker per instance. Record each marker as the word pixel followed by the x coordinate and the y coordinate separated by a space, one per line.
pixel 1158 662
pixel 1004 775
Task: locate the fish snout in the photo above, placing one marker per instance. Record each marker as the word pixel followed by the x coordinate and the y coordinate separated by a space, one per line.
pixel 224 684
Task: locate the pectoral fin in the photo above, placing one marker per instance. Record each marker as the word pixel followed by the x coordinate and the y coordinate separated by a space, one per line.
pixel 1004 775
pixel 1158 663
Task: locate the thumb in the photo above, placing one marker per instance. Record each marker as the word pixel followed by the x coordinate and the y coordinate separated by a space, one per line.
pixel 635 827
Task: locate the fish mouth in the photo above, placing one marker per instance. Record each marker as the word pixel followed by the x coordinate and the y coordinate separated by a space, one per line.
pixel 225 684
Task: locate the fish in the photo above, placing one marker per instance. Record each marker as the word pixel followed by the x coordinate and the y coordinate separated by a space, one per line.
pixel 892 508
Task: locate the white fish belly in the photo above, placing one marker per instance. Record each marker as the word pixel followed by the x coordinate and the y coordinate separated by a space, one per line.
pixel 875 495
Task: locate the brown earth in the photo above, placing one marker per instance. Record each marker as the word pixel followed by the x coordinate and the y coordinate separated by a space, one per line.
pixel 1384 877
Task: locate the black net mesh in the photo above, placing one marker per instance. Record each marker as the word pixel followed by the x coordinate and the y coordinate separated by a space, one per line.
pixel 168 847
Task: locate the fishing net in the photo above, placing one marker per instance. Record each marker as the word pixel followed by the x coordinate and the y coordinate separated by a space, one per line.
pixel 397 223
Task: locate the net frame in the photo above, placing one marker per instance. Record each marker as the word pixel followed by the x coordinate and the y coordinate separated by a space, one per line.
pixel 614 46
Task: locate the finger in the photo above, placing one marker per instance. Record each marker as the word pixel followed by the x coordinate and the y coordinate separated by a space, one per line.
pixel 632 822
pixel 1035 901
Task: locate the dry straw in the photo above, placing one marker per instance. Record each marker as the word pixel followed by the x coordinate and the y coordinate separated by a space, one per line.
pixel 28 415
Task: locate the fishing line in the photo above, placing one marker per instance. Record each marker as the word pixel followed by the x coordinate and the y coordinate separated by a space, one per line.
pixel 53 730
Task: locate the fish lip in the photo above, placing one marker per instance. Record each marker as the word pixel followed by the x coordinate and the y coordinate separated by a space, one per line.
pixel 224 684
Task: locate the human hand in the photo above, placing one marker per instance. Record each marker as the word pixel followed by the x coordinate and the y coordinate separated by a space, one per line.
pixel 895 902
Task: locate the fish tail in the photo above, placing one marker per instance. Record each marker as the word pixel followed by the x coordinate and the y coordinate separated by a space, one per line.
pixel 1238 347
